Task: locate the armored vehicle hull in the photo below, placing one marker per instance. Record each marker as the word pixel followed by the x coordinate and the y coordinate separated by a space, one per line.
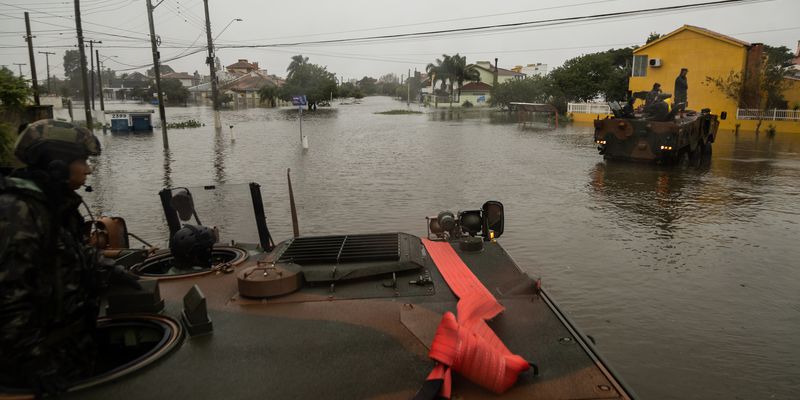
pixel 687 137
pixel 339 317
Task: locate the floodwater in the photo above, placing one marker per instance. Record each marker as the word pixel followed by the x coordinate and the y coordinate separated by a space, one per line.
pixel 688 279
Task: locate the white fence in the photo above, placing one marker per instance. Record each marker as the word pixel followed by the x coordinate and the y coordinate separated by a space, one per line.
pixel 771 115
pixel 588 108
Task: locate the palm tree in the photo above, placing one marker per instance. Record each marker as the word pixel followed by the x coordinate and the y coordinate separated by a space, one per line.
pixel 297 61
pixel 461 72
pixel 439 71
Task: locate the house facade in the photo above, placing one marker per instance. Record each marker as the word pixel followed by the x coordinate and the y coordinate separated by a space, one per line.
pixel 704 53
pixel 487 70
pixel 242 66
pixel 477 93
pixel 185 79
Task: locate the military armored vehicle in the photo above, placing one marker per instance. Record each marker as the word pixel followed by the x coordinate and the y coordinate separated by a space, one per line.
pixel 356 316
pixel 656 134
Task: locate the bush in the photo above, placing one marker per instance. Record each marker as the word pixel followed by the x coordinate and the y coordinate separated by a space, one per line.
pixel 184 124
pixel 8 135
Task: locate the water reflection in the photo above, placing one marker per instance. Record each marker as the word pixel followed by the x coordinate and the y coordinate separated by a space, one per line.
pixel 645 194
pixel 291 114
pixel 219 155
pixel 674 242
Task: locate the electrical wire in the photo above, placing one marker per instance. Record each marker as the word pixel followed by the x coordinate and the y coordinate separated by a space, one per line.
pixel 550 22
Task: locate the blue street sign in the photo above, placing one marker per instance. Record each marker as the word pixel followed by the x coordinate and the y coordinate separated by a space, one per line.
pixel 299 100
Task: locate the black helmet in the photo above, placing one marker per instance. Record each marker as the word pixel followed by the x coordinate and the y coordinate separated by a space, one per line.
pixel 191 247
pixel 47 140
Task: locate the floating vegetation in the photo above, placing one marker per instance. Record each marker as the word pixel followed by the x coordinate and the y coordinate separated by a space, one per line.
pixel 398 112
pixel 184 124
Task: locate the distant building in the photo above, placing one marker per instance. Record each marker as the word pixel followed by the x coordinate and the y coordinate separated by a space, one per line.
pixel 243 88
pixel 796 61
pixel 487 71
pixel 185 79
pixel 477 93
pixel 530 70
pixel 242 67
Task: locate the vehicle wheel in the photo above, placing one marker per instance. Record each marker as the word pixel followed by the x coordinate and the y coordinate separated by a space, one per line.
pixel 682 158
pixel 707 150
pixel 696 155
pixel 705 158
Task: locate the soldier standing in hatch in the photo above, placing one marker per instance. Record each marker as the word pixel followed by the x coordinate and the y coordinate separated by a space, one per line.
pixel 681 89
pixel 653 95
pixel 49 291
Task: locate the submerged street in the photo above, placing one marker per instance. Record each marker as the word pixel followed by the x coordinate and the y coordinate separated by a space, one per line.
pixel 686 278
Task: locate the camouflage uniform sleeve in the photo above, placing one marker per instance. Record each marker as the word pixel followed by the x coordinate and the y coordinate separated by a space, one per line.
pixel 22 292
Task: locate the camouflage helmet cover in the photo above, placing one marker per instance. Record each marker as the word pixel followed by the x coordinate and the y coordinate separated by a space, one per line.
pixel 48 140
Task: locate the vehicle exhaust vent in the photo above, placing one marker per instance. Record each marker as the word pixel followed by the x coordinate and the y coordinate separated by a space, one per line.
pixel 343 249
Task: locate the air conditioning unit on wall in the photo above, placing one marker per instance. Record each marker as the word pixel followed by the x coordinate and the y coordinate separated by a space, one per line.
pixel 655 62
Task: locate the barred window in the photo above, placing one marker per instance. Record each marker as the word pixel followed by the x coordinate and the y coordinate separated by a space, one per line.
pixel 639 66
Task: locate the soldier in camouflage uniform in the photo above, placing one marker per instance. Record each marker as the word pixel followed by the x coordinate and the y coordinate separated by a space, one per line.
pixel 48 280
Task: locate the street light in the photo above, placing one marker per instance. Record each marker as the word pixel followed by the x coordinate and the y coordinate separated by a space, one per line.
pixel 226 27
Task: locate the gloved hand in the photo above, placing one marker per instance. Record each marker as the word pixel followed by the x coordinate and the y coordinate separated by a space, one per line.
pixel 121 276
pixel 112 274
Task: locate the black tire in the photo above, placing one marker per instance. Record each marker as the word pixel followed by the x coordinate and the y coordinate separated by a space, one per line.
pixel 695 157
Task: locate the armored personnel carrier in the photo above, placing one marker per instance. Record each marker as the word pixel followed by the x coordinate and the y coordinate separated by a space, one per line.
pixel 356 316
pixel 656 134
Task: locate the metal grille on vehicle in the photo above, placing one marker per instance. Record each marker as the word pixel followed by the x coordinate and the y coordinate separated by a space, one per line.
pixel 342 249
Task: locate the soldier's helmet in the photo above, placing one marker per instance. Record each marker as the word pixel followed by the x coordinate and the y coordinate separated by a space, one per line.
pixel 47 140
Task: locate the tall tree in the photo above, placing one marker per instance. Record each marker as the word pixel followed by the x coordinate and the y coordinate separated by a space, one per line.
pixel 72 72
pixel 311 80
pixel 439 71
pixel 297 62
pixel 460 72
pixel 14 91
pixel 653 37
pixel 604 74
pixel 174 92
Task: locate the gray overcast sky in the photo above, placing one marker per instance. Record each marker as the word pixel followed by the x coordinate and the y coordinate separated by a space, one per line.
pixel 180 25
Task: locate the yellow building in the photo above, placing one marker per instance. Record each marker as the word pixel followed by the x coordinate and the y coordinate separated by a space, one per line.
pixel 704 53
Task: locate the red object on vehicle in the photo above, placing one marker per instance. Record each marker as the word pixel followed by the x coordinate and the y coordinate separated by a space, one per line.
pixel 466 343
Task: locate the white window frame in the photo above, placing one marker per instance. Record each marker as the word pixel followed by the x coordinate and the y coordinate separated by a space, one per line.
pixel 642 70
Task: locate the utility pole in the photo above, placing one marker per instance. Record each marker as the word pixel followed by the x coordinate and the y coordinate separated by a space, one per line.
pixel 99 79
pixel 82 52
pixel 210 62
pixel 157 72
pixel 91 59
pixel 20 68
pixel 29 39
pixel 47 62
pixel 408 88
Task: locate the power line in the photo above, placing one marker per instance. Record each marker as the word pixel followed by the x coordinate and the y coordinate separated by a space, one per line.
pixel 441 20
pixel 551 22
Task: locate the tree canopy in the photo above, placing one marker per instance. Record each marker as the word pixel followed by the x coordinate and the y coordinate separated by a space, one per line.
pixel 604 74
pixel 453 71
pixel 174 91
pixel 297 61
pixel 14 90
pixel 311 80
